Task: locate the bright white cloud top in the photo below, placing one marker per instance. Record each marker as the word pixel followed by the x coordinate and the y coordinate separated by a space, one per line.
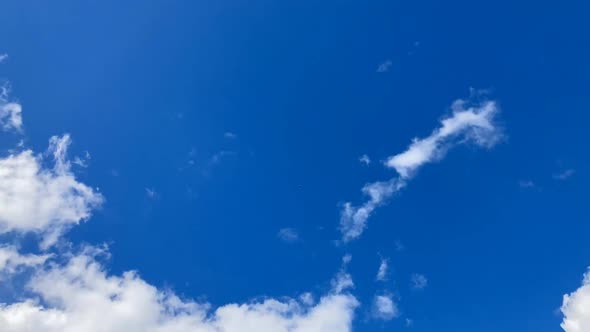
pixel 43 200
pixel 576 308
pixel 81 296
pixel 469 123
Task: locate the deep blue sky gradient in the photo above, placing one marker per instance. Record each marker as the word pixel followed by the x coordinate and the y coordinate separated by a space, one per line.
pixel 150 87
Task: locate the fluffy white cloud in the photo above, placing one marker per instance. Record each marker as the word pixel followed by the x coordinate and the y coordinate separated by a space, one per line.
pixel 469 123
pixel 34 198
pixel 10 112
pixel 384 307
pixel 576 308
pixel 80 296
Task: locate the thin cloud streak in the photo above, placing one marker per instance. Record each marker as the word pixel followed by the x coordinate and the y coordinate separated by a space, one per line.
pixel 470 122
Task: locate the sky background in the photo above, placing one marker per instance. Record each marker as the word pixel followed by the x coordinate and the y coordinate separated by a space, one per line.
pixel 212 125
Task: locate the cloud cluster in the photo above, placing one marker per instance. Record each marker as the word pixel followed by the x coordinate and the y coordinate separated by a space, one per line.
pixel 80 296
pixel 470 122
pixel 72 291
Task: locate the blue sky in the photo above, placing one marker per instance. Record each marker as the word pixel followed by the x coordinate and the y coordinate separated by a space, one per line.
pixel 224 140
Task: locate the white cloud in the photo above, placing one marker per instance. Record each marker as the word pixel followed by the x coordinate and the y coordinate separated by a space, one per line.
pixel 11 259
pixel 10 112
pixel 151 193
pixel 80 296
pixel 343 281
pixel 468 123
pixel 576 308
pixel 384 307
pixel 564 175
pixel 82 161
pixel 364 159
pixel 3 57
pixel 230 135
pixel 289 235
pixel 384 66
pixel 353 220
pixel 74 292
pixel 526 184
pixel 383 270
pixel 419 281
pixel 47 201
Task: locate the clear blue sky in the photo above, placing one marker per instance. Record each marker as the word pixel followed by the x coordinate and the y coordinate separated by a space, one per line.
pixel 212 125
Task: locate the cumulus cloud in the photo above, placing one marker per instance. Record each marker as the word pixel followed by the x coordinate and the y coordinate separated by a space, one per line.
pixel 10 112
pixel 81 296
pixel 469 123
pixel 73 292
pixel 576 308
pixel 384 307
pixel 44 200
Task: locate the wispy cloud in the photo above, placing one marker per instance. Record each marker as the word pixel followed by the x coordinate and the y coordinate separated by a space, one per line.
pixel 82 161
pixel 474 124
pixel 10 112
pixel 384 66
pixel 289 235
pixel 526 184
pixel 470 122
pixel 384 307
pixel 383 270
pixel 230 135
pixel 219 156
pixel 418 281
pixel 364 159
pixel 343 280
pixel 564 175
pixel 151 193
pixel 3 57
